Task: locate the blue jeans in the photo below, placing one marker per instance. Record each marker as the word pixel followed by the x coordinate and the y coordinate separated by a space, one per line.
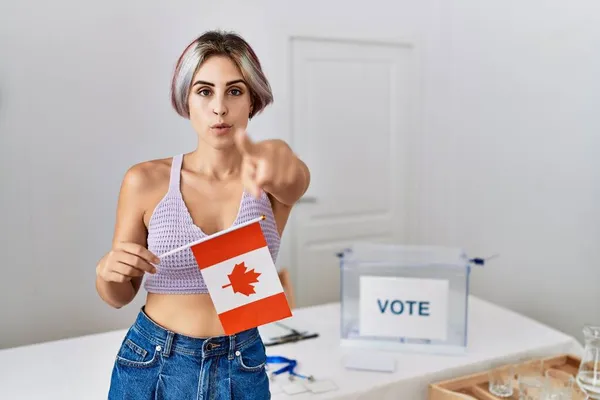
pixel 154 363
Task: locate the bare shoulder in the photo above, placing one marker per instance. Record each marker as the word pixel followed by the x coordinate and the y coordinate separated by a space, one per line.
pixel 146 175
pixel 147 182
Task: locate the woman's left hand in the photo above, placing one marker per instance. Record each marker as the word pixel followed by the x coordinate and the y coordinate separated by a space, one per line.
pixel 272 166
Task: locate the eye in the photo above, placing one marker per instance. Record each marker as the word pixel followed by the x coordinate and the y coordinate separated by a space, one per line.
pixel 204 92
pixel 236 92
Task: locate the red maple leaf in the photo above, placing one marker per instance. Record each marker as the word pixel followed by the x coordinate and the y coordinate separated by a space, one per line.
pixel 241 280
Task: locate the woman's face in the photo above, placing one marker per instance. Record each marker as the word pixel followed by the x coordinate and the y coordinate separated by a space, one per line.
pixel 219 102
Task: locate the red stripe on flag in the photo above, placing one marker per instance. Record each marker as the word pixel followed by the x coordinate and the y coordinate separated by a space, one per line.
pixel 252 315
pixel 229 245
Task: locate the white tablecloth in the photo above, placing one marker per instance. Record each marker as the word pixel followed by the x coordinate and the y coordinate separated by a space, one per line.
pixel 80 368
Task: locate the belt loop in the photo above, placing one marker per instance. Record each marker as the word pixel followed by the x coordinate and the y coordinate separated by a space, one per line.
pixel 231 347
pixel 168 344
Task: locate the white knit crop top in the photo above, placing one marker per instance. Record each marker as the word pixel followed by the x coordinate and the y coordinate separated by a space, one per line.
pixel 171 226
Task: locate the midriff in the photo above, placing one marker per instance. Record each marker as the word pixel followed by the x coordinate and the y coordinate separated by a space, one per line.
pixel 187 314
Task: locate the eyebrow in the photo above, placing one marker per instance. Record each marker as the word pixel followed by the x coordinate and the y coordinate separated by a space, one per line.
pixel 213 85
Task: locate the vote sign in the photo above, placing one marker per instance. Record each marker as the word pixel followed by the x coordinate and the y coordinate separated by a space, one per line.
pixel 403 307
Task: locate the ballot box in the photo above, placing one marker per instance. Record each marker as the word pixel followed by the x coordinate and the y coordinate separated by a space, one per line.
pixel 405 297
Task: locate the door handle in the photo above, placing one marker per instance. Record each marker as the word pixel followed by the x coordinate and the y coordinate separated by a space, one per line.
pixel 307 199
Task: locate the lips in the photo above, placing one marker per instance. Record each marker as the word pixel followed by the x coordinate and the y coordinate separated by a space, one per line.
pixel 221 126
pixel 221 129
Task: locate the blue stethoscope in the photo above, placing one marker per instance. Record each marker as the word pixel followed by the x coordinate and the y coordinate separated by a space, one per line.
pixel 289 367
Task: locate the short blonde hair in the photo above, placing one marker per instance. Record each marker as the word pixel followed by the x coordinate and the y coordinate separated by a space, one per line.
pixel 228 44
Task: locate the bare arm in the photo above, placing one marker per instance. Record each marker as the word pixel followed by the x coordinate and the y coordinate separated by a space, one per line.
pixel 119 272
pixel 295 178
pixel 286 282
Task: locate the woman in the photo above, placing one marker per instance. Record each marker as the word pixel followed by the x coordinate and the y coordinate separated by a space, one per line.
pixel 176 348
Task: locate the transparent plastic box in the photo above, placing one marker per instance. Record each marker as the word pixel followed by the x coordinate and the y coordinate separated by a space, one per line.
pixel 440 264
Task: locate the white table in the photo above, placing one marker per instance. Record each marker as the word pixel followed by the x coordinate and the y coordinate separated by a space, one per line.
pixel 79 368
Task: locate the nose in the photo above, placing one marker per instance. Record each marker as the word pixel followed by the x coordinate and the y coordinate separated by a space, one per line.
pixel 219 106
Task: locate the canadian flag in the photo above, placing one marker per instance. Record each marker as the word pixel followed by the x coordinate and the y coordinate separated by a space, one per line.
pixel 242 279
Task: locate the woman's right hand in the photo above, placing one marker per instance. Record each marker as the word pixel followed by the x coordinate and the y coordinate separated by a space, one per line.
pixel 127 260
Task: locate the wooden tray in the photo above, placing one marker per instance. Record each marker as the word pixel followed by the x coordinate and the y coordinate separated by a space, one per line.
pixel 475 387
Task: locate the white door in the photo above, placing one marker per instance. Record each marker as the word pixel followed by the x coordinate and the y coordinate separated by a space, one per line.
pixel 352 118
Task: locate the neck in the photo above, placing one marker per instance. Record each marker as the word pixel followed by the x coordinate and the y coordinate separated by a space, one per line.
pixel 217 164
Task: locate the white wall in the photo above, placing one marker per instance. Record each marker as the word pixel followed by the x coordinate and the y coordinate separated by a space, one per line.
pixel 506 143
pixel 84 94
pixel 512 162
